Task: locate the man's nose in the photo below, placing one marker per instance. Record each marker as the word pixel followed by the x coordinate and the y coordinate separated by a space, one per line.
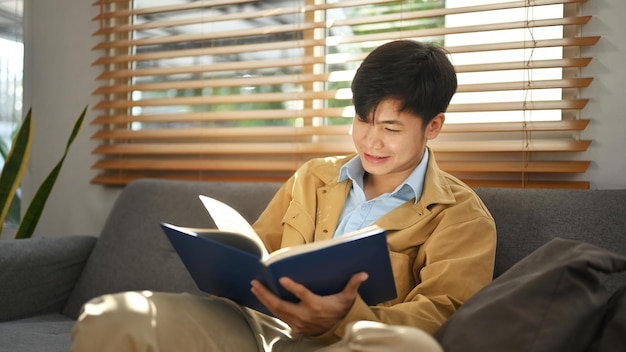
pixel 373 137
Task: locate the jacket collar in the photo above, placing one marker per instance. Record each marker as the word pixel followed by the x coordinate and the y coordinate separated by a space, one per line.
pixel 436 187
pixel 436 191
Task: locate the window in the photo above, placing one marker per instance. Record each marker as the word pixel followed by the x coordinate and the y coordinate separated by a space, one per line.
pixel 250 90
pixel 11 73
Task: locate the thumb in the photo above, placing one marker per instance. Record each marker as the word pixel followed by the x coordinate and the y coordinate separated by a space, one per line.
pixel 352 287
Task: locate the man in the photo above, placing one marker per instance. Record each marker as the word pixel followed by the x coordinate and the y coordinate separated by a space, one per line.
pixel 440 235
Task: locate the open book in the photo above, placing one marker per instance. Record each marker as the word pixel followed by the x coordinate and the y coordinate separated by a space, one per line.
pixel 223 261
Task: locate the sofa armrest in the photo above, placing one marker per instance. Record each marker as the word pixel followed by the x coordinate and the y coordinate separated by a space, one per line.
pixel 38 274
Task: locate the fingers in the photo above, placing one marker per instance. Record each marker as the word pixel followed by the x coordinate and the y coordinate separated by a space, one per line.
pixel 267 297
pixel 302 293
pixel 279 307
pixel 298 290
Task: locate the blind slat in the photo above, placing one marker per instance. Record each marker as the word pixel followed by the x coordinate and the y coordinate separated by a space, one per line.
pixel 487 166
pixel 237 82
pixel 332 148
pixel 326 6
pixel 291 165
pixel 527 184
pixel 534 84
pixel 271 132
pixel 198 20
pixel 280 97
pixel 521 65
pixel 222 116
pixel 190 5
pixel 123 178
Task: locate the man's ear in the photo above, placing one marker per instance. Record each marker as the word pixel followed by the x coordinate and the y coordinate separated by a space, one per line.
pixel 434 126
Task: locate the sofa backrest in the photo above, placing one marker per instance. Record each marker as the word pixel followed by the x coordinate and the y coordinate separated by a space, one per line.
pixel 133 253
pixel 528 218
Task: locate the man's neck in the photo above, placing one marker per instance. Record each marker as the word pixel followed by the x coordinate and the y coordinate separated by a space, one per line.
pixel 374 186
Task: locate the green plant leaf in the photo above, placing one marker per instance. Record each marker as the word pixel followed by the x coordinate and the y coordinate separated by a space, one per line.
pixel 15 166
pixel 4 152
pixel 33 213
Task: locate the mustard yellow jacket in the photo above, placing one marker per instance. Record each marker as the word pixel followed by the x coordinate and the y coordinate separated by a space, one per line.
pixel 442 247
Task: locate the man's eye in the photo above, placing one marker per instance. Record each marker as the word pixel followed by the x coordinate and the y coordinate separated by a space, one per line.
pixel 392 130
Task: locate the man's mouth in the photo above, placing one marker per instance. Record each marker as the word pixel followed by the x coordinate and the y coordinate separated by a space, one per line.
pixel 374 158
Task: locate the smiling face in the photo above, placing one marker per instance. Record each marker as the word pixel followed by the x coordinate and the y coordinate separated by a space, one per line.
pixel 391 143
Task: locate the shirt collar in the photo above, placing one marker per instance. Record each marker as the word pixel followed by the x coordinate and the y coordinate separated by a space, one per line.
pixel 411 188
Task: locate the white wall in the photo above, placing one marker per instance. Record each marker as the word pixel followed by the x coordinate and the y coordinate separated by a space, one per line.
pixel 607 105
pixel 59 80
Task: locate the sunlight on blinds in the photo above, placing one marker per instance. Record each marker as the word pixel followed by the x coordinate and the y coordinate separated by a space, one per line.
pixel 251 89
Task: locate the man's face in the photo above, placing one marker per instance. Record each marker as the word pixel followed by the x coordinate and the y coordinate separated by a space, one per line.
pixel 393 145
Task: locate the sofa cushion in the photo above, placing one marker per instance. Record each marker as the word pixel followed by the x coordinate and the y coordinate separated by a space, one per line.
pixel 49 333
pixel 552 300
pixel 37 274
pixel 133 253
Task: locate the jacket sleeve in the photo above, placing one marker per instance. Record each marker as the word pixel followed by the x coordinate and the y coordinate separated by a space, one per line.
pixel 269 225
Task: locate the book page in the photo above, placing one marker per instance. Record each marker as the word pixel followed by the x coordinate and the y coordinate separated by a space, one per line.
pixel 232 239
pixel 310 247
pixel 229 220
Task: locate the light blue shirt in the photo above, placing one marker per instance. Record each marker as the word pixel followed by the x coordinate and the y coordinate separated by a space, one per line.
pixel 359 212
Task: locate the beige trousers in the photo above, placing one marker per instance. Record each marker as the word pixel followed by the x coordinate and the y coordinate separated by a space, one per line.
pixel 165 322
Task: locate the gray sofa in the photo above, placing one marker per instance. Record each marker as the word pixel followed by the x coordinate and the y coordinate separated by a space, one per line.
pixel 45 280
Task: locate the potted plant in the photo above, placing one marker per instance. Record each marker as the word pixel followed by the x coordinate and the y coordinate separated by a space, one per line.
pixel 13 171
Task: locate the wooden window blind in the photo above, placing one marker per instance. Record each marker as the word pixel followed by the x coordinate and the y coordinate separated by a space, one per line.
pixel 249 90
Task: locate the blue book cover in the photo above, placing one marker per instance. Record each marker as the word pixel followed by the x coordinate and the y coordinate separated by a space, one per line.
pixel 223 261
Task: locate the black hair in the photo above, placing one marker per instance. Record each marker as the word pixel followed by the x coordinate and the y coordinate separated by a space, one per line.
pixel 417 74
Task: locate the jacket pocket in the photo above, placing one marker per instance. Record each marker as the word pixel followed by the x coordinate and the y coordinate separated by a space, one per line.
pixel 298 226
pixel 401 276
